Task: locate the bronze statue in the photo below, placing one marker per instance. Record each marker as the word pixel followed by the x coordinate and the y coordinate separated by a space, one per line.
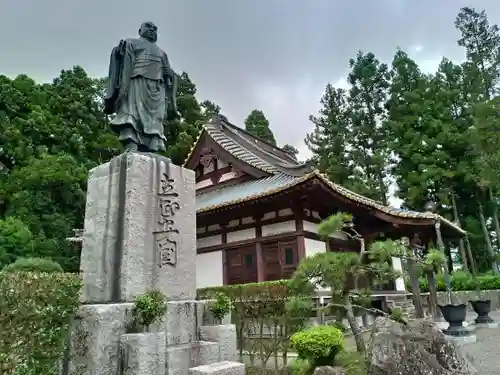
pixel 141 91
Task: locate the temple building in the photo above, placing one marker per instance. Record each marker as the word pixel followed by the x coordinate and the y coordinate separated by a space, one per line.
pixel 258 211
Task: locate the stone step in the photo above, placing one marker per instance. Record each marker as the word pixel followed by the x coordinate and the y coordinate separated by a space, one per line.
pixel 219 368
pixel 180 358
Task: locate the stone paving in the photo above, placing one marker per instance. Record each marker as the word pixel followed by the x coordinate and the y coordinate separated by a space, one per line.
pixel 485 352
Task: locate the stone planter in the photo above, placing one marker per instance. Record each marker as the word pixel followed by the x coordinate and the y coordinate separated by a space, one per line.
pixel 455 316
pixel 482 308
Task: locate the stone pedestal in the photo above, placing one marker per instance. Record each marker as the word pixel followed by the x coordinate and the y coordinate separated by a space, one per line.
pixel 140 230
pixel 143 354
pixel 140 234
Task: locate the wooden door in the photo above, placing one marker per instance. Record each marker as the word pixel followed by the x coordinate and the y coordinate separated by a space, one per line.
pixel 241 265
pixel 280 259
pixel 272 261
pixel 289 258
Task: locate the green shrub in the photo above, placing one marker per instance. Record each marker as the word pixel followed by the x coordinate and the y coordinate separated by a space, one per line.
pixel 263 290
pixel 35 314
pixel 461 281
pixel 300 367
pixel 221 306
pixel 319 345
pixel 149 307
pixel 33 265
pixel 353 362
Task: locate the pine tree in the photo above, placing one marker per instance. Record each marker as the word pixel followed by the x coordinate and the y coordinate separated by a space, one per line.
pixel 257 124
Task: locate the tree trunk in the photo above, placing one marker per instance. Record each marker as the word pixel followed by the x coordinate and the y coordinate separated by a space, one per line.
pixel 415 288
pixel 356 330
pixel 456 218
pixel 433 301
pixel 487 236
pixel 495 215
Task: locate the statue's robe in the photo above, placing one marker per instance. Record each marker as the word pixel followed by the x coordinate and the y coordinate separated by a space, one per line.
pixel 141 91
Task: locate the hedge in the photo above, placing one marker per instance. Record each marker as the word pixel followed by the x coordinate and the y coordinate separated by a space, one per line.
pixel 252 291
pixel 35 316
pixel 460 280
pixel 463 281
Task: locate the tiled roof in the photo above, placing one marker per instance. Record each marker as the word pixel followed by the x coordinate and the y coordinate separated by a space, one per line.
pixel 270 185
pixel 243 192
pixel 251 150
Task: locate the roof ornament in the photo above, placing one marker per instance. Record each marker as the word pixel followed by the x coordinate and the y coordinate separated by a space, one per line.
pixel 430 206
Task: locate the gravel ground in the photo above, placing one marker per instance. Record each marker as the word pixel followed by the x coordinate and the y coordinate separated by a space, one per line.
pixel 485 352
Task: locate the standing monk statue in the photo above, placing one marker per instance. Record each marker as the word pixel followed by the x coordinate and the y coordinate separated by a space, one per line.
pixel 141 91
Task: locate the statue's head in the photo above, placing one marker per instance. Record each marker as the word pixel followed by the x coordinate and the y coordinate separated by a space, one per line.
pixel 149 31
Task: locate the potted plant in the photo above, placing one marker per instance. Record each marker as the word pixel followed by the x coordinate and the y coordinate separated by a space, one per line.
pixel 481 307
pixel 220 307
pixel 453 313
pixel 149 307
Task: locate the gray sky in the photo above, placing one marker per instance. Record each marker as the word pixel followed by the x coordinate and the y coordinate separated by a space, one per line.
pixel 275 55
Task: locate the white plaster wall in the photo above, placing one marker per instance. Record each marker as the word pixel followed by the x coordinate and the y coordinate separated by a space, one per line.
pixel 400 282
pixel 277 228
pixel 209 270
pixel 204 184
pixel 241 235
pixel 310 227
pixel 313 227
pixel 285 212
pixel 209 241
pixel 314 247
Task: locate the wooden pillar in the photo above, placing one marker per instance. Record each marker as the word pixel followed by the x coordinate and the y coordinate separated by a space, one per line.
pixel 299 227
pixel 261 271
pixel 224 253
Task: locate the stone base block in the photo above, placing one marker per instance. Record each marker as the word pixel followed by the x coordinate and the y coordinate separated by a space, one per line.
pixel 139 231
pixel 225 336
pixel 181 322
pixel 143 353
pixel 461 340
pixel 221 368
pixel 485 325
pixel 95 339
pixel 180 358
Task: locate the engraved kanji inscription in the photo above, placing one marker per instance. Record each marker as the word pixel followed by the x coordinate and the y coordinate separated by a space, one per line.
pixel 167 249
pixel 165 237
pixel 167 187
pixel 168 208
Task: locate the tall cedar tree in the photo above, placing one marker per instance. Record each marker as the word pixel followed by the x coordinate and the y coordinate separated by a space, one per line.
pixel 369 80
pixel 481 42
pixel 257 124
pixel 328 142
pixel 407 122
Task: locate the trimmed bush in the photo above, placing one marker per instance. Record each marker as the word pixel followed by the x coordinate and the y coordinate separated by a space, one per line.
pixel 319 345
pixel 35 315
pixel 261 291
pixel 33 265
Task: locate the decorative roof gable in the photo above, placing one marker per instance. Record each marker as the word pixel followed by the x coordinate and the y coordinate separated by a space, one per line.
pixel 255 153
